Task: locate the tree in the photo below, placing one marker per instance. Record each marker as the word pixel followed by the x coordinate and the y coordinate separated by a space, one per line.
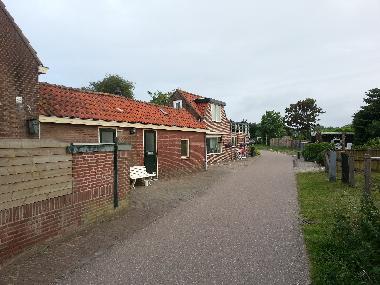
pixel 160 98
pixel 366 121
pixel 114 84
pixel 272 125
pixel 302 117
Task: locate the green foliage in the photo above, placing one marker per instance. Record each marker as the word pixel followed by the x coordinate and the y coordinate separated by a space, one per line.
pixel 253 151
pixel 366 121
pixel 351 252
pixel 341 232
pixel 371 144
pixel 160 98
pixel 272 125
pixel 347 128
pixel 316 151
pixel 254 130
pixel 114 84
pixel 302 117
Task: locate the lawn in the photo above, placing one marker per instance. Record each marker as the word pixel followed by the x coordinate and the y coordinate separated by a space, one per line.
pixel 283 149
pixel 341 236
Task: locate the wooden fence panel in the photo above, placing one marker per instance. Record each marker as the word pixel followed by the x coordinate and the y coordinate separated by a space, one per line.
pixel 359 158
pixel 32 171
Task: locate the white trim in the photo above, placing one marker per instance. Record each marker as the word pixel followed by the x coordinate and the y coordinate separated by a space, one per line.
pixel 90 122
pixel 175 103
pixel 188 149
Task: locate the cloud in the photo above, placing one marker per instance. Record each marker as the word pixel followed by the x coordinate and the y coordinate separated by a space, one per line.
pixel 255 55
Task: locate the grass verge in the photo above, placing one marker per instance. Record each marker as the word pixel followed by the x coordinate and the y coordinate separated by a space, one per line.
pixel 341 230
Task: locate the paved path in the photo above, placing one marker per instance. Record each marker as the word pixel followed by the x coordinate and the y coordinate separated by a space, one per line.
pixel 244 230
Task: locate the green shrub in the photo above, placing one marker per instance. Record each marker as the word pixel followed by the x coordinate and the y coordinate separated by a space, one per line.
pixel 351 253
pixel 253 151
pixel 316 151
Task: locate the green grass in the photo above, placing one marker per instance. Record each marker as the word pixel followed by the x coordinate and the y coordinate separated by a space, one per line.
pixel 330 211
pixel 282 149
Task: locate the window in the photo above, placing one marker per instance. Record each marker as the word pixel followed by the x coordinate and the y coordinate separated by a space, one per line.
pixel 185 151
pixel 177 104
pixel 216 112
pixel 107 135
pixel 234 141
pixel 214 145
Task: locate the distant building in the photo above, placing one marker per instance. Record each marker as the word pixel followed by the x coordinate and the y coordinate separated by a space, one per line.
pixel 334 137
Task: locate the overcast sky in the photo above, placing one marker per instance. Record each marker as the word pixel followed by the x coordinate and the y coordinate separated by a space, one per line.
pixel 254 55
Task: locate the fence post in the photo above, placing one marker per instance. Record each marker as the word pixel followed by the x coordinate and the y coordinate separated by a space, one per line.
pixel 367 174
pixel 332 166
pixel 351 170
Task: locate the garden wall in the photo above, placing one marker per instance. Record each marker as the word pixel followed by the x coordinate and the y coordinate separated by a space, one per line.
pixel 91 196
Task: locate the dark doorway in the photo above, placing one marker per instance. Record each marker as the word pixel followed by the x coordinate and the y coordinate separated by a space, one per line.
pixel 150 151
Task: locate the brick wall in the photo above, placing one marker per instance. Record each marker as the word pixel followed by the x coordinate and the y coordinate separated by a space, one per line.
pixel 169 158
pixel 69 133
pixel 92 198
pixel 18 78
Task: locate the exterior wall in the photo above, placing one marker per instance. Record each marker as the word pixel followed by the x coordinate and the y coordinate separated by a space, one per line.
pixel 18 78
pixel 69 133
pixel 92 198
pixel 169 158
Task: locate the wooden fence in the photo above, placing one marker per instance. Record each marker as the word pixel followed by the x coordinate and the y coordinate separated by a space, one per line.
pixel 359 158
pixel 32 171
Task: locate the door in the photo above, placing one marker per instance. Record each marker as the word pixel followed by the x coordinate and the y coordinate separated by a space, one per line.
pixel 150 151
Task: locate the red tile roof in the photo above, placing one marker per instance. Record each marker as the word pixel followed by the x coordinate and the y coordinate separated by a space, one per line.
pixel 190 98
pixel 62 101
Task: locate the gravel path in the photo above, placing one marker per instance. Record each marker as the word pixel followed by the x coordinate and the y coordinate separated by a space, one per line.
pixel 243 230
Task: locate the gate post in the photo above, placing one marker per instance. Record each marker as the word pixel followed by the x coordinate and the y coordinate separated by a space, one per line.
pixel 332 166
pixel 367 174
pixel 351 171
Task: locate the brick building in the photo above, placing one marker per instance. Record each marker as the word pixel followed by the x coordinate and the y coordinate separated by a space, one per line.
pixel 19 70
pixel 211 112
pixel 166 140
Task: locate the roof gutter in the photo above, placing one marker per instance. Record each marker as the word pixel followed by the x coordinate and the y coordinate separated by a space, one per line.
pixel 91 122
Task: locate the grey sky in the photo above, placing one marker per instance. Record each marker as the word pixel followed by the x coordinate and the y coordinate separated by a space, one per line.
pixel 254 55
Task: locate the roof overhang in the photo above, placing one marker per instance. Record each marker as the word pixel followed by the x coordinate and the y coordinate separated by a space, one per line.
pixel 90 122
pixel 209 100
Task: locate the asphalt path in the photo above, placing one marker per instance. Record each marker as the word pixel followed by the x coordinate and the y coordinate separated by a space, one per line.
pixel 244 230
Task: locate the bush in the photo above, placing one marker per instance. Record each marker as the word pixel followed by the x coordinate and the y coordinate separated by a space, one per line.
pixel 351 254
pixel 316 151
pixel 371 144
pixel 253 151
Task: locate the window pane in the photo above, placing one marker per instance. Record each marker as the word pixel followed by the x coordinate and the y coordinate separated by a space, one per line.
pixel 184 148
pixel 107 136
pixel 149 142
pixel 213 146
pixel 218 113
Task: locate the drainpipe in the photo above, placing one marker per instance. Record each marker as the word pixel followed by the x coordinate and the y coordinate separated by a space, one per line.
pixel 115 175
pixel 205 152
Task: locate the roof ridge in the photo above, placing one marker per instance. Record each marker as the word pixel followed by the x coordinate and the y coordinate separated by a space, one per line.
pixel 104 94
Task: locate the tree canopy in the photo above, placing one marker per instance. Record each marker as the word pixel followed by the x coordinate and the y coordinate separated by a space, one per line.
pixel 366 121
pixel 160 98
pixel 272 125
pixel 114 84
pixel 302 117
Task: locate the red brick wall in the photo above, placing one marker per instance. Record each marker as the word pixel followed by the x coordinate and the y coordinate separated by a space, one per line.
pixel 18 78
pixel 92 198
pixel 69 133
pixel 168 145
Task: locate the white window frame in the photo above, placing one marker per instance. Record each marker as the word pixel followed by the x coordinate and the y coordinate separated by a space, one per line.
pixel 99 128
pixel 220 145
pixel 188 149
pixel 216 113
pixel 176 102
pixel 234 138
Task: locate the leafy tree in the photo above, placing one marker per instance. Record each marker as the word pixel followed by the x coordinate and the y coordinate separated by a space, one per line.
pixel 302 117
pixel 366 121
pixel 114 84
pixel 254 130
pixel 272 125
pixel 160 98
